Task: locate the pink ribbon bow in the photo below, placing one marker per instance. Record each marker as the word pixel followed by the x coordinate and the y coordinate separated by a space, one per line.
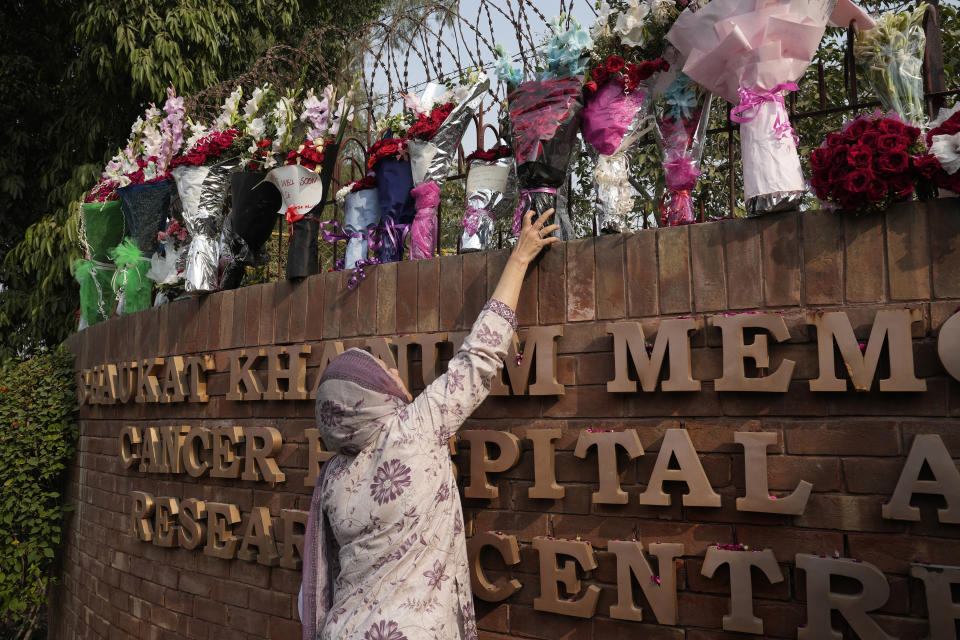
pixel 750 99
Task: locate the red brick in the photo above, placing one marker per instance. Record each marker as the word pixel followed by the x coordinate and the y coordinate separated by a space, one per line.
pixel 282 305
pixel 611 296
pixel 251 319
pixel 642 280
pixel 895 553
pixel 297 328
pixel 496 261
pixel 386 298
pixel 407 277
pixel 552 284
pixel 865 259
pixel 945 247
pixel 612 629
pixel 871 475
pixel 744 276
pixel 787 542
pixel 781 259
pixel 822 257
pixel 907 250
pixel 314 315
pixel 451 292
pixel 708 274
pixel 283 629
pixel 428 295
pixel 531 623
pixel 673 256
pixel 492 616
pixel 581 280
pixel 474 288
pixel 349 300
pixel 367 301
pixel 528 301
pixel 932 402
pixel 331 304
pixel 844 437
pixel 848 513
pixel 267 302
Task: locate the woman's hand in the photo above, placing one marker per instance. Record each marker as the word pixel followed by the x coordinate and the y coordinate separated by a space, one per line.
pixel 534 236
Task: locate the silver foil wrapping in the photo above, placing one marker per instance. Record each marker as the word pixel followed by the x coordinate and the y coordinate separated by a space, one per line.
pixel 203 192
pixel 431 159
pixel 491 193
pixel 771 202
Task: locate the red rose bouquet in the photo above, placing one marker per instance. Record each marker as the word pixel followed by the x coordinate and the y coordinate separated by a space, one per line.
pixel 873 161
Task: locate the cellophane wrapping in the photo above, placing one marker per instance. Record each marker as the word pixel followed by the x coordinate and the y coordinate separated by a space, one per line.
pixel 892 54
pixel 394 183
pixel 772 177
pixel 430 160
pixel 96 289
pixel 145 208
pixel 545 120
pixel 491 192
pixel 253 217
pixel 361 214
pixel 613 121
pixel 103 227
pixel 682 117
pixel 301 194
pixel 203 193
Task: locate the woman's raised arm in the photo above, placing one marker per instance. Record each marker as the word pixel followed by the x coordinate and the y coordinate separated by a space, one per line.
pixel 450 399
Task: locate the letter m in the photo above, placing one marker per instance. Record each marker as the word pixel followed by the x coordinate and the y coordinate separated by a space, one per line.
pixel 672 338
pixel 890 325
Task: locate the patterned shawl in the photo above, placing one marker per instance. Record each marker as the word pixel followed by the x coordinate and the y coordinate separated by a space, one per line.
pixel 355 399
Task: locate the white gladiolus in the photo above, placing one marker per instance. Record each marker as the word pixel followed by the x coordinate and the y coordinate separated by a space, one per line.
pixel 630 23
pixel 197 131
pixel 228 112
pixel 947 150
pixel 253 104
pixel 256 128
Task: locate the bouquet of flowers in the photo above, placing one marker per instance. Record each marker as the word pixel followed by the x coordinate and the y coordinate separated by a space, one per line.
pixel 752 54
pixel 491 191
pixel 141 170
pixel 873 161
pixel 202 175
pixel 941 165
pixel 101 229
pixel 166 266
pixel 255 201
pixel 433 140
pixel 130 281
pixel 361 215
pixel 892 54
pixel 388 158
pixel 307 169
pixel 545 116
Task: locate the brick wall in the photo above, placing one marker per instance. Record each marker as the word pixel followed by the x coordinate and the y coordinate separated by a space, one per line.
pixel 851 446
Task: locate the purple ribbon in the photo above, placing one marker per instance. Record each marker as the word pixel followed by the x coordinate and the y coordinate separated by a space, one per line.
pixel 392 229
pixel 337 233
pixel 526 199
pixel 471 219
pixel 358 273
pixel 750 99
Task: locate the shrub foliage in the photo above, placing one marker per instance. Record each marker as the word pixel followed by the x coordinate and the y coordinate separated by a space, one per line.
pixel 38 436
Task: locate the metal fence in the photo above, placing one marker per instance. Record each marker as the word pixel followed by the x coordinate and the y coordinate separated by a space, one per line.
pixel 435 42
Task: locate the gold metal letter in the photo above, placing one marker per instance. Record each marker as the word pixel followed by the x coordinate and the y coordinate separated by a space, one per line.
pixel 929 449
pixel 481 464
pixel 741 616
pixel 755 474
pixel 606 442
pixel 628 339
pixel 735 352
pixel 676 443
pixel 507 547
pixel 552 573
pixel 660 591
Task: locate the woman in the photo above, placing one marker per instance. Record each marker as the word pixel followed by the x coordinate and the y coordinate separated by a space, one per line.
pixel 384 554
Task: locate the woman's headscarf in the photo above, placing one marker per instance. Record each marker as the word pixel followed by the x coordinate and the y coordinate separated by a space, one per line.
pixel 354 398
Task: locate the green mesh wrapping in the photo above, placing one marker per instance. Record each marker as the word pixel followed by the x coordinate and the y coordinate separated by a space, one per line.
pixel 132 277
pixel 104 227
pixel 96 289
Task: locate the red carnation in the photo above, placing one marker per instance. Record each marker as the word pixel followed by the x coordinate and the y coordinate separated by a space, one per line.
pixel 614 64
